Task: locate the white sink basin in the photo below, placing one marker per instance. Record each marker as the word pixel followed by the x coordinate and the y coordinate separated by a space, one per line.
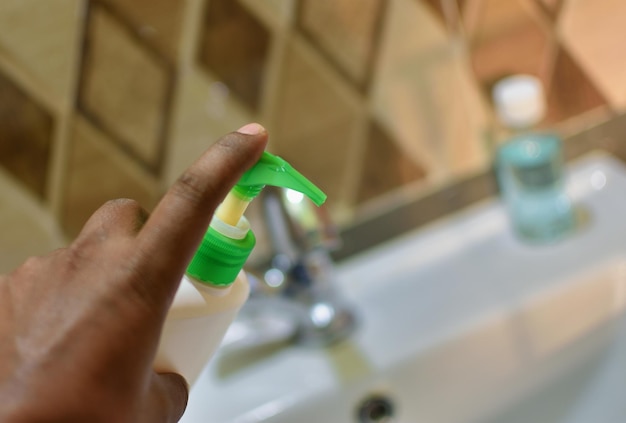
pixel 462 323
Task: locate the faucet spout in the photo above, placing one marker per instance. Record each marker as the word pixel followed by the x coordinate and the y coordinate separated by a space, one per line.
pixel 294 291
pixel 301 239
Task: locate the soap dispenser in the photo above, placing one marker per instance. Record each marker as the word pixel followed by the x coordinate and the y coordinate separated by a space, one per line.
pixel 529 163
pixel 215 287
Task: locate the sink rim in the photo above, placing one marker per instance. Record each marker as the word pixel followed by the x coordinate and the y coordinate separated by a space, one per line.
pixel 321 376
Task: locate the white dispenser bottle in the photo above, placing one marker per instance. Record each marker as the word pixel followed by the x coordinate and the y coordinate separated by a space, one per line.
pixel 196 324
pixel 215 286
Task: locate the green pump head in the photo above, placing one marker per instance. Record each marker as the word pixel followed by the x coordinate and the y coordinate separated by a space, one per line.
pixel 225 248
pixel 274 171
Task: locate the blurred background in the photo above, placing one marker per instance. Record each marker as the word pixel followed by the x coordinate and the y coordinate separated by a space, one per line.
pixel 380 102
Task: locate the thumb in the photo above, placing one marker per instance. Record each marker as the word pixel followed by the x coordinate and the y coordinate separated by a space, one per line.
pixel 167 398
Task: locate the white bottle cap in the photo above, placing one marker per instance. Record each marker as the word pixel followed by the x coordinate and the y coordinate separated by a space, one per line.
pixel 519 101
pixel 233 232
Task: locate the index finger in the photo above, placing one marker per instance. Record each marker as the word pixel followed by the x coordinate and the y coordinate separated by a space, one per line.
pixel 173 232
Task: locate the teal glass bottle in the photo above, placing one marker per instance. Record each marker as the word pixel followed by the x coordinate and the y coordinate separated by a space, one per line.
pixel 529 164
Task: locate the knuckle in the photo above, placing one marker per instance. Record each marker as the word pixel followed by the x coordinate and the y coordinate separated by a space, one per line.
pixel 190 187
pixel 130 207
pixel 123 203
pixel 29 269
pixel 74 256
pixel 129 202
pixel 32 262
pixel 230 145
pixel 30 265
pixel 229 141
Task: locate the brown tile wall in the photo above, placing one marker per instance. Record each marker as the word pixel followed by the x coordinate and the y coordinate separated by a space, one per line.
pixel 26 136
pixel 124 86
pixel 372 100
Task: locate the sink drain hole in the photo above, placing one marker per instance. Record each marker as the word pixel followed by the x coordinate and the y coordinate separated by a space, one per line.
pixel 376 409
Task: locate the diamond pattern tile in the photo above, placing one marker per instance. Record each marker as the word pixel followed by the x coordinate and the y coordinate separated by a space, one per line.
pixel 425 94
pixel 317 73
pixel 470 11
pixel 234 46
pixel 564 101
pixel 125 89
pixel 552 7
pixel 204 110
pixel 508 40
pixel 438 8
pixel 450 12
pixel 316 122
pixel 158 22
pixel 385 166
pixel 348 35
pixel 26 131
pixel 593 32
pixel 98 172
pixel 42 36
pixel 276 13
pixel 27 226
pixel 495 17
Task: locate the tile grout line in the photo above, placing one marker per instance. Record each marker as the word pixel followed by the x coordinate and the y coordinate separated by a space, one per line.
pixel 62 139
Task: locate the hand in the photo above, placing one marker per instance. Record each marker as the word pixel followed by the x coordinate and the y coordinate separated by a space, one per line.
pixel 79 328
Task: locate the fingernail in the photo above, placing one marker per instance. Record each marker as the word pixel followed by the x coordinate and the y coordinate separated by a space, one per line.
pixel 251 129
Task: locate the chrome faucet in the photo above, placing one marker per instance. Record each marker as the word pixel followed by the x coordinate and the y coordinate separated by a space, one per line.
pixel 293 294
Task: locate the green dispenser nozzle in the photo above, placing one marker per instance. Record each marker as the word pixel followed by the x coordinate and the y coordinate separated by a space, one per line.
pixel 229 241
pixel 274 171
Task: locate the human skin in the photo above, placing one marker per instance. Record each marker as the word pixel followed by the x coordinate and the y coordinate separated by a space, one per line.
pixel 79 327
